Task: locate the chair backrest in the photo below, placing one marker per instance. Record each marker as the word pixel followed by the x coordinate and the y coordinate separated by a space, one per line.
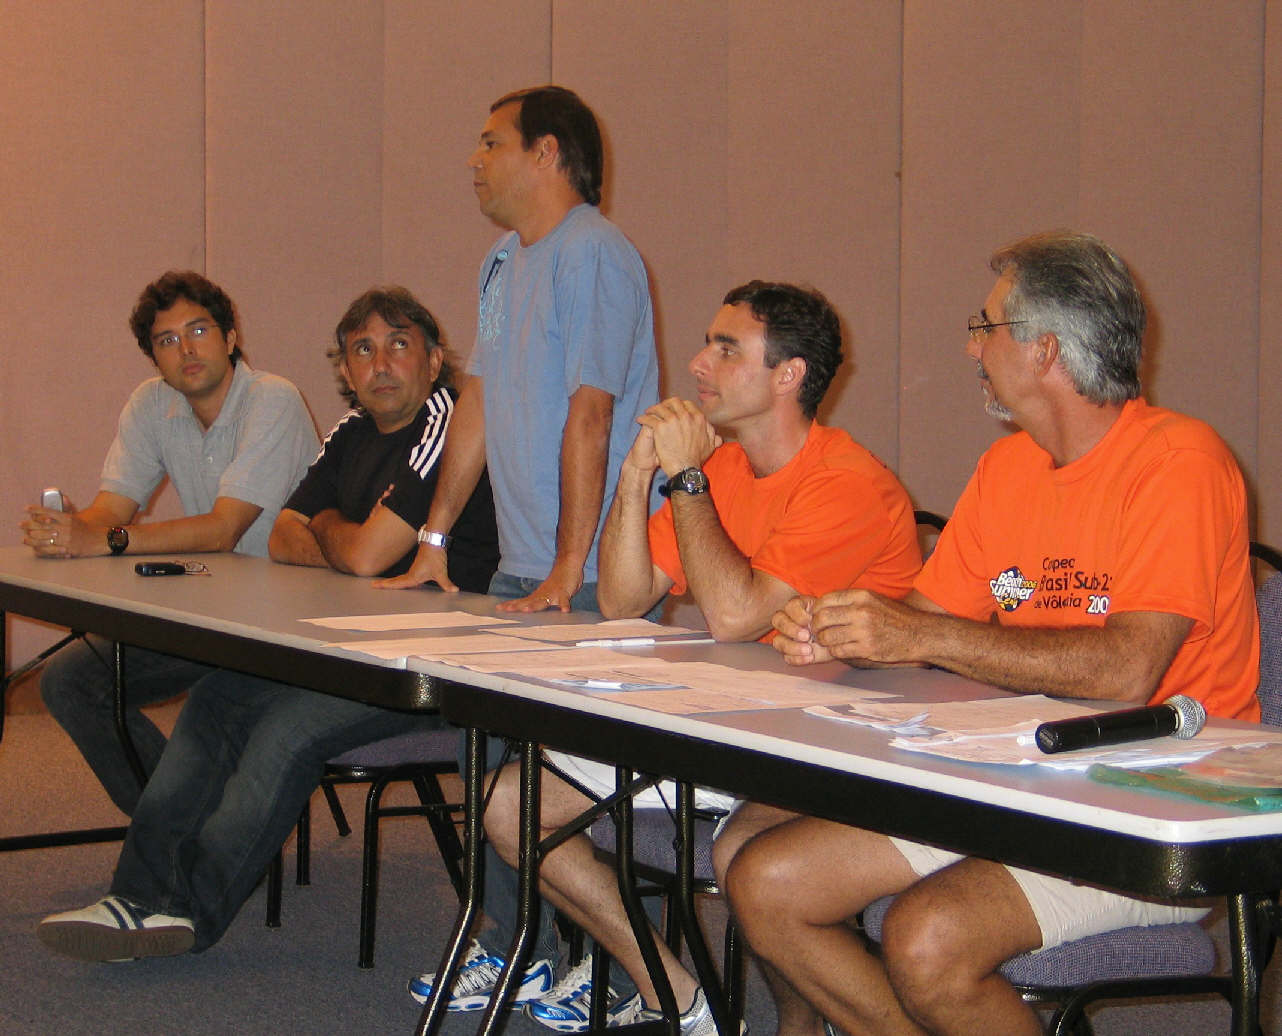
pixel 929 526
pixel 1268 600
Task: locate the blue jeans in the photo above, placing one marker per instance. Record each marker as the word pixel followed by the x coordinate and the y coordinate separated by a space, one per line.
pixel 245 756
pixel 78 687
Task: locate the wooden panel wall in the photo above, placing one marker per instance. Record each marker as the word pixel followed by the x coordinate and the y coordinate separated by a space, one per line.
pixel 300 152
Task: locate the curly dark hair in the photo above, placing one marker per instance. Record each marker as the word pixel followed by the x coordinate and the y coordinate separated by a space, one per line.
pixel 799 322
pixel 161 294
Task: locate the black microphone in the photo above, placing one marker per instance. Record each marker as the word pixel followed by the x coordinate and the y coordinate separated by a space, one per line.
pixel 1180 716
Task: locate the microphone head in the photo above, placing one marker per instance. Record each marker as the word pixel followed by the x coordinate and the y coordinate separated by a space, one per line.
pixel 1190 713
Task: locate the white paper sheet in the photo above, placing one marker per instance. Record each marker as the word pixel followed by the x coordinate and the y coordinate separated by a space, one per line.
pixel 707 687
pixel 613 629
pixel 406 621
pixel 438 647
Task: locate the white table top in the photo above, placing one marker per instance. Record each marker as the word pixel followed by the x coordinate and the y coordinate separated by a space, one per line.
pixel 792 736
pixel 254 601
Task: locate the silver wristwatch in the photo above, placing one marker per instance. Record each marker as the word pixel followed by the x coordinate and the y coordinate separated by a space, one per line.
pixel 434 539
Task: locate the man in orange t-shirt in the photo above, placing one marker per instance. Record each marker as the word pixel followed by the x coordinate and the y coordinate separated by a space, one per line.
pixel 1099 553
pixel 789 507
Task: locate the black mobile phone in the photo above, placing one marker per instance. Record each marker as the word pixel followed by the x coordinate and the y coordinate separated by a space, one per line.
pixel 160 568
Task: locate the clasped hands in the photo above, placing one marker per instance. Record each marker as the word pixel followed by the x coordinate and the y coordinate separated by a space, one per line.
pixel 856 626
pixel 674 436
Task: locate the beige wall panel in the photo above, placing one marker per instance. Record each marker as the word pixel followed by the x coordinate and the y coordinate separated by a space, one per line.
pixel 990 154
pixel 1269 383
pixel 102 187
pixel 443 73
pixel 1170 176
pixel 294 98
pixel 655 74
pixel 813 185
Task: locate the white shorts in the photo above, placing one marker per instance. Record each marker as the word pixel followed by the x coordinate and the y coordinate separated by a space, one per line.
pixel 598 779
pixel 1064 911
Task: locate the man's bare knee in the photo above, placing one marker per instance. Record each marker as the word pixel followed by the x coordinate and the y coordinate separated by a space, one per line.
pixel 503 812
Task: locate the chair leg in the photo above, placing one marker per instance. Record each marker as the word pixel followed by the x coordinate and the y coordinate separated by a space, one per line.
pixel 600 987
pixel 303 847
pixel 734 970
pixel 274 870
pixel 336 808
pixel 369 873
pixel 443 829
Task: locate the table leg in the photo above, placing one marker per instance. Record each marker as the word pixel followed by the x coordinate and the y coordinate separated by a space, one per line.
pixel 632 904
pixel 473 879
pixel 1243 946
pixel 122 728
pixel 52 839
pixel 527 888
pixel 703 965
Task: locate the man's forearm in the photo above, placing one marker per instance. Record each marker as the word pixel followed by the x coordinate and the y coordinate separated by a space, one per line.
pixel 1124 660
pixel 585 447
pixel 625 588
pixel 293 543
pixel 363 548
pixel 197 533
pixel 721 579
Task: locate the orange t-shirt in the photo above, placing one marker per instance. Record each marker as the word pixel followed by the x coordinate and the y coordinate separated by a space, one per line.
pixel 1152 519
pixel 833 517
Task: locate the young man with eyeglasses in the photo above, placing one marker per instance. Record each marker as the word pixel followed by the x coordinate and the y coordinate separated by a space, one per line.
pixel 232 440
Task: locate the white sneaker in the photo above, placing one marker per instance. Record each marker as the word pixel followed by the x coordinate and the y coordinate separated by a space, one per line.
pixel 477 977
pixel 113 929
pixel 567 1005
pixel 697 1021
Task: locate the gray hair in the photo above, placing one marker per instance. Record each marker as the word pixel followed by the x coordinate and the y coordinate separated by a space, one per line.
pixel 1077 288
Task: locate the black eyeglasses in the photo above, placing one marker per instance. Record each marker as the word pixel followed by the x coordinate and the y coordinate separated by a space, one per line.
pixel 980 328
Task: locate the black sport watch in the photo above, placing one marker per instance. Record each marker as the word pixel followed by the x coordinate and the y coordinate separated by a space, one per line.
pixel 118 539
pixel 689 480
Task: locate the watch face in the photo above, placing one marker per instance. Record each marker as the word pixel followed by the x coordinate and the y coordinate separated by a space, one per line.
pixel 694 481
pixel 117 539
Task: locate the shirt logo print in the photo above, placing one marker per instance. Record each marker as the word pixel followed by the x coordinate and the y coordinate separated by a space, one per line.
pixel 490 317
pixel 1010 588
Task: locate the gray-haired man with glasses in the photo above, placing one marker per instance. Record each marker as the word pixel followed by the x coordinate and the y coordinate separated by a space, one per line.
pixel 1100 553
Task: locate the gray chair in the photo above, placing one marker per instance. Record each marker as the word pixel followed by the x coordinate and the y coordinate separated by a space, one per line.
pixel 419 757
pixel 929 526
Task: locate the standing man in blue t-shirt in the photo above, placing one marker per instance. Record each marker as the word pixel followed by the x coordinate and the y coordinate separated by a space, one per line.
pixel 564 365
pixel 564 360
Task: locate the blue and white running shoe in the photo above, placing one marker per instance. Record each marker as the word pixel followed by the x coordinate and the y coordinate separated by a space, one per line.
pixel 477 977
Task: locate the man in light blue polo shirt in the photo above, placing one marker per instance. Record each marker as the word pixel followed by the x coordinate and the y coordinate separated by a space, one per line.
pixel 233 441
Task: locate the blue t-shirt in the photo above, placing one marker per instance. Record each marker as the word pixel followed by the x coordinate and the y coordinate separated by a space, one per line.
pixel 572 309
